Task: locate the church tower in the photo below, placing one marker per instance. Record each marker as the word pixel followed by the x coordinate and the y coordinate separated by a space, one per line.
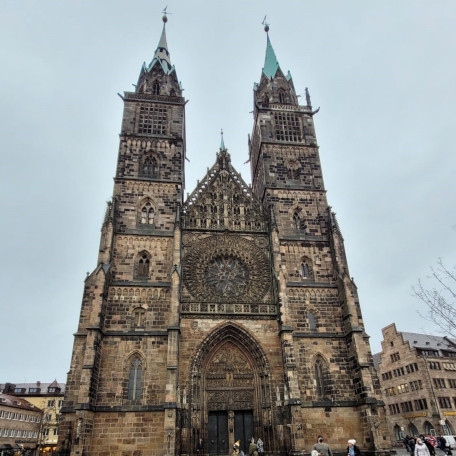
pixel 226 316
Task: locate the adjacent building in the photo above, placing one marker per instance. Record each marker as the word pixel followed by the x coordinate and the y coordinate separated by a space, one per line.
pixel 417 373
pixel 20 423
pixel 226 315
pixel 48 397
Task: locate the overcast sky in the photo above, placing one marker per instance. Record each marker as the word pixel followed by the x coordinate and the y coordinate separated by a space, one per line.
pixel 383 73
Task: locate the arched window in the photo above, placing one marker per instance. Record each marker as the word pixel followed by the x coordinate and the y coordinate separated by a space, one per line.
pixel 134 380
pixel 172 93
pixel 398 432
pixel 429 428
pixel 413 429
pixel 266 100
pixel 298 222
pixel 311 318
pixel 149 167
pixel 147 214
pixel 139 317
pixel 156 88
pixel 282 96
pixel 305 272
pixel 142 266
pixel 321 381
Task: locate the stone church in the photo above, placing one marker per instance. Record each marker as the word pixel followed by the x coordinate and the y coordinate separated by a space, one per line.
pixel 225 315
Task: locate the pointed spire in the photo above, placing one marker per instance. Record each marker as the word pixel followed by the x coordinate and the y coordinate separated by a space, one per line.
pixel 161 53
pixel 222 142
pixel 271 64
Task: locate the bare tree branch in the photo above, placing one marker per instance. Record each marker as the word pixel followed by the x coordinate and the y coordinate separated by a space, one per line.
pixel 441 300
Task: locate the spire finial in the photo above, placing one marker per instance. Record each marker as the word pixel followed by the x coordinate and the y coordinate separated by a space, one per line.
pixel 222 142
pixel 165 14
pixel 266 24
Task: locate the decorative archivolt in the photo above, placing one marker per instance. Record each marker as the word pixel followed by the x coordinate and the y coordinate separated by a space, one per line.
pixel 144 243
pixel 138 296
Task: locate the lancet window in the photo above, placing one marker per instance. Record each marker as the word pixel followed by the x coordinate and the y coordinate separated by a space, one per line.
pixel 147 214
pixel 142 265
pixel 321 378
pixel 149 167
pixel 134 380
pixel 156 88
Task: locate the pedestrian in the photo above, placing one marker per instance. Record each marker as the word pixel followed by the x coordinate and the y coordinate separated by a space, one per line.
pixel 321 447
pixel 429 445
pixel 260 446
pixel 253 448
pixel 412 442
pixel 421 449
pixel 406 443
pixel 200 448
pixel 352 449
pixel 442 443
pixel 237 449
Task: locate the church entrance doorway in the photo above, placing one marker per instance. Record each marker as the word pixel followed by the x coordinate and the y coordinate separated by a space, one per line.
pixel 217 430
pixel 243 428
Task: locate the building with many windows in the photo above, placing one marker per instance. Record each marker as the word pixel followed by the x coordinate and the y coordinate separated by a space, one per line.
pixel 48 397
pixel 417 374
pixel 226 315
pixel 20 423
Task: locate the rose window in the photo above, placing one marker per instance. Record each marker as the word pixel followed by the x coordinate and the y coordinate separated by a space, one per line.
pixel 227 276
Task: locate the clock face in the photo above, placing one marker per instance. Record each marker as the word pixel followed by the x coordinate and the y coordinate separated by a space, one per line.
pixel 226 268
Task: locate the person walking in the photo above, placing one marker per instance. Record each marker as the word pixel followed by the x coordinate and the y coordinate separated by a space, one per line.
pixel 260 446
pixel 421 449
pixel 321 447
pixel 352 449
pixel 253 448
pixel 200 448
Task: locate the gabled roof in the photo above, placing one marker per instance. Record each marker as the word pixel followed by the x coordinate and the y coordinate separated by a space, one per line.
pixel 430 342
pixel 42 386
pixel 16 402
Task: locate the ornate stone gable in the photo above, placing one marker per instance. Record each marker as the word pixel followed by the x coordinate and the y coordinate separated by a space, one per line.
pixel 223 201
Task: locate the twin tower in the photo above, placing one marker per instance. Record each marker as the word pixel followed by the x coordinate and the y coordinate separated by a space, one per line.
pixel 230 314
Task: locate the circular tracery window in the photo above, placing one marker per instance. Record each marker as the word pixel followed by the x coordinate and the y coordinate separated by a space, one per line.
pixel 227 276
pixel 226 268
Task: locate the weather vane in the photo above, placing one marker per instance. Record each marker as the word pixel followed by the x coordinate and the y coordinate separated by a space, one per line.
pixel 165 14
pixel 266 24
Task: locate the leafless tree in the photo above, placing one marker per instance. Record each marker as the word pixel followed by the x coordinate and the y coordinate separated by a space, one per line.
pixel 441 298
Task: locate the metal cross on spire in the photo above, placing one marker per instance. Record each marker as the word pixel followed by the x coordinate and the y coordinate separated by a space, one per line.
pixel 266 24
pixel 165 14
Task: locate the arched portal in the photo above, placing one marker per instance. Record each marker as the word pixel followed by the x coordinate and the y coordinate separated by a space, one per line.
pixel 230 391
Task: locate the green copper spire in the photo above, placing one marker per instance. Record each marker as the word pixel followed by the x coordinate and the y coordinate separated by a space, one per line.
pixel 271 64
pixel 161 53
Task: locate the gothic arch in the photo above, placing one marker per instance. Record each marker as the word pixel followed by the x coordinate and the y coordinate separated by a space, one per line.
pixel 149 165
pixel 142 265
pixel 133 377
pixel 320 368
pixel 306 268
pixel 145 214
pixel 230 374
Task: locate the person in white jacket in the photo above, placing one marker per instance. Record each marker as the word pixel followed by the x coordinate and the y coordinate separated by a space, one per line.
pixel 421 449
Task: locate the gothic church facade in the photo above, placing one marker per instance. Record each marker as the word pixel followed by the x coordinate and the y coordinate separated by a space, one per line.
pixel 230 314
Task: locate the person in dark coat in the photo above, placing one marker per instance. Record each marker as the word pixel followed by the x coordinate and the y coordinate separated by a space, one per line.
pixel 352 449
